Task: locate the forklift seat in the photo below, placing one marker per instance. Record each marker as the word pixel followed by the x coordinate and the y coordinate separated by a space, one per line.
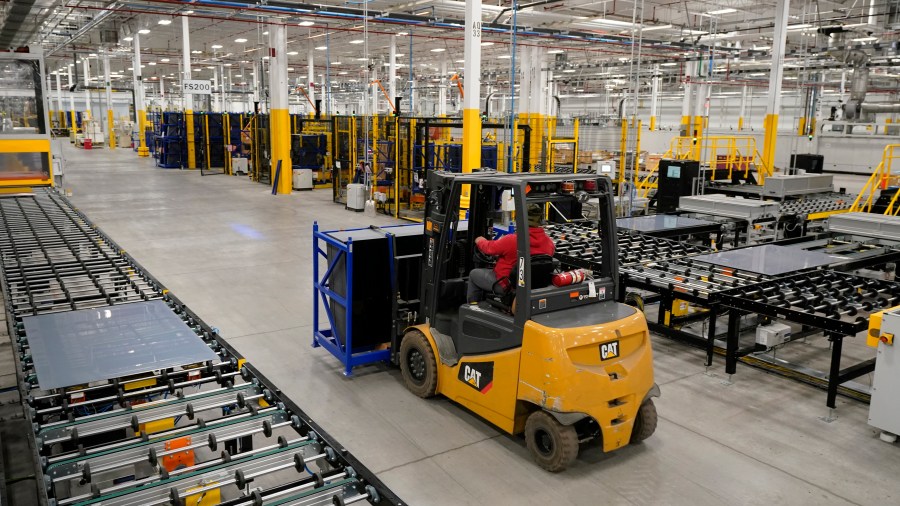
pixel 542 267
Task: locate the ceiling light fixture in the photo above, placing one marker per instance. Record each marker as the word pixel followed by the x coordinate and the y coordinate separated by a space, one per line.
pixel 488 43
pixel 438 50
pixel 196 51
pixel 655 27
pixel 357 41
pixel 216 46
pixel 306 23
pixel 722 11
pixel 555 51
pixel 322 48
pixel 164 22
pixel 164 60
pixel 240 41
pixel 400 34
pixel 128 39
pixel 293 53
pixel 144 31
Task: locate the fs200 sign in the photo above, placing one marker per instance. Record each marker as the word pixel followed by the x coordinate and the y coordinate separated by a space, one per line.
pixel 196 87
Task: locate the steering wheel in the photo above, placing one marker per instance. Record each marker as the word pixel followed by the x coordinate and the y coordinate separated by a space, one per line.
pixel 482 259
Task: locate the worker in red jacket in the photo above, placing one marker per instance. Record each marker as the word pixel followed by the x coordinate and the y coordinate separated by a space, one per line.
pixel 506 251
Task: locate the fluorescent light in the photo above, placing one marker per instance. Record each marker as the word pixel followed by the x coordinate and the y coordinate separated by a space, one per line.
pixel 865 39
pixel 362 59
pixel 322 48
pixel 460 61
pixel 342 73
pixel 352 80
pixel 266 33
pixel 151 63
pixel 487 43
pixel 240 41
pixel 669 64
pixel 92 55
pixel 144 31
pixel 196 51
pixel 357 41
pixel 306 23
pixel 335 63
pixel 503 57
pixel 761 48
pixel 613 22
pixel 655 27
pixel 188 12
pixel 216 46
pixel 722 11
pixel 799 27
pixel 293 53
pixel 227 64
pixel 757 74
pixel 211 68
pixel 164 60
pixel 555 51
pixel 399 34
pixel 164 22
pixel 290 69
pixel 438 50
pixel 128 39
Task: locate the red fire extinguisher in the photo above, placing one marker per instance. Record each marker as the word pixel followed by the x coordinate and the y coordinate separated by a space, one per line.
pixel 569 277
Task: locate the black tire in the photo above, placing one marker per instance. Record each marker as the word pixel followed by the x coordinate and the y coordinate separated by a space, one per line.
pixel 552 445
pixel 645 422
pixel 418 364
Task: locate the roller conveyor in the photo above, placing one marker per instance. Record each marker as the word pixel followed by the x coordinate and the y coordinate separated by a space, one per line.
pixel 215 431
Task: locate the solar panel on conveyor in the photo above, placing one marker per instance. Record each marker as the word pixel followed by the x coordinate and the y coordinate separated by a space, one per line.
pixel 212 432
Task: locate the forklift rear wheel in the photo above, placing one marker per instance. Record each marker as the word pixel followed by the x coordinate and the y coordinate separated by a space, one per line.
pixel 418 365
pixel 645 423
pixel 552 445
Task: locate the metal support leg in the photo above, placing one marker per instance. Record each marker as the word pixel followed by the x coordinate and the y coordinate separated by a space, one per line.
pixel 711 336
pixel 731 346
pixel 834 372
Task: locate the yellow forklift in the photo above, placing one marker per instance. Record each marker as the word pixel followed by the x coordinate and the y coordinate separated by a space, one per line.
pixel 562 364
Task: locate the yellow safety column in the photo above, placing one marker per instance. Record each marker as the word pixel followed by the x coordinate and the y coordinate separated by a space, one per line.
pixel 773 97
pixel 279 118
pixel 110 124
pixel 654 97
pixel 744 91
pixel 188 98
pixel 143 150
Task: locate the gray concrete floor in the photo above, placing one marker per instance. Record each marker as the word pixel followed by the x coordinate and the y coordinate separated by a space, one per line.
pixel 241 258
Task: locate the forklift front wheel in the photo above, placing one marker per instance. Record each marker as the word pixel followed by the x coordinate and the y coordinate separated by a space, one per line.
pixel 645 423
pixel 418 365
pixel 552 445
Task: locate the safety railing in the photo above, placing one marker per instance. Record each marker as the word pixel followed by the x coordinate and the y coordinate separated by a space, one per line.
pixel 881 178
pixel 731 153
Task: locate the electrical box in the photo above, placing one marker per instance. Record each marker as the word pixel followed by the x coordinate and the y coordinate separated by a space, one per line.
pixel 302 179
pixel 772 335
pixel 884 410
pixel 675 180
pixel 356 197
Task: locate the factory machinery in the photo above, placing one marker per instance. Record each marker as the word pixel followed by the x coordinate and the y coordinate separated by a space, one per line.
pixel 192 423
pixel 830 282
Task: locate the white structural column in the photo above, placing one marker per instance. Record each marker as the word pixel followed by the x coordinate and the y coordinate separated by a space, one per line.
pixel 442 90
pixel 72 119
pixel 654 97
pixel 279 122
pixel 773 97
pixel 86 65
pixel 141 115
pixel 311 80
pixel 215 89
pixel 188 98
pixel 551 102
pixel 472 91
pixel 744 90
pixel 686 103
pixel 59 100
pixel 110 120
pixel 392 73
pixel 524 62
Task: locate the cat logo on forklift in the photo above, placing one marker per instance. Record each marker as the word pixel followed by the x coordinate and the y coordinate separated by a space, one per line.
pixel 609 350
pixel 478 375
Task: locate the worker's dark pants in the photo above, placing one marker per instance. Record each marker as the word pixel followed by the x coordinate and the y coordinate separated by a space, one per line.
pixel 480 281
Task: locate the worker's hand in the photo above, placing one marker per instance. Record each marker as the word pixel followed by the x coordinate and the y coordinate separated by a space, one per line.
pixel 479 240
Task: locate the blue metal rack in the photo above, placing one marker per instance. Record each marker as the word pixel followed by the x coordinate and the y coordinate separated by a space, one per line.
pixel 324 296
pixel 170 141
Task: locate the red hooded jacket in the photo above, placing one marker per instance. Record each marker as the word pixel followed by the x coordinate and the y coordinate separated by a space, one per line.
pixel 506 250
